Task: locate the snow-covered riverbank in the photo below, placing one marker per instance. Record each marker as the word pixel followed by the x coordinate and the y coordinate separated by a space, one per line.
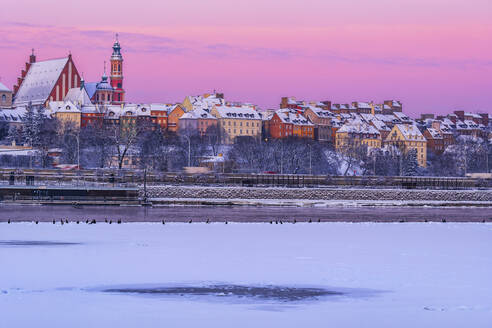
pixel 382 275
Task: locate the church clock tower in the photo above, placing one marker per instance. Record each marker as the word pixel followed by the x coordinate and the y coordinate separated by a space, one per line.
pixel 117 74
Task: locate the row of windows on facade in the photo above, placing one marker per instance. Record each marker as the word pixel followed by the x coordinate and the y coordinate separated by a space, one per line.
pixel 240 131
pixel 308 129
pixel 241 124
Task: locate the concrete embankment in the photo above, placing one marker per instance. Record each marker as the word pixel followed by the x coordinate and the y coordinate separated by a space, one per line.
pixel 167 194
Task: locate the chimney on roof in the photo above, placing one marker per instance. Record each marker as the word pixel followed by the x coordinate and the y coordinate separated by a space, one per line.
pixel 32 57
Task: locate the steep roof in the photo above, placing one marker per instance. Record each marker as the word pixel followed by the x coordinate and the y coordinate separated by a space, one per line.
pixel 410 132
pixel 78 96
pixel 435 134
pixel 380 126
pixel 40 81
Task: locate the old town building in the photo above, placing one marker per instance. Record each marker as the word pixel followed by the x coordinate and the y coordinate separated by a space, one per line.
pixel 45 81
pixel 435 140
pixel 321 118
pixel 289 123
pixel 197 121
pixel 236 122
pixel 407 137
pixel 173 117
pixel 355 134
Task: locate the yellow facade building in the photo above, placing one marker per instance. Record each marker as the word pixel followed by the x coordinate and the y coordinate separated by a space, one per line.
pixel 236 122
pixel 407 137
pixel 356 134
pixel 66 113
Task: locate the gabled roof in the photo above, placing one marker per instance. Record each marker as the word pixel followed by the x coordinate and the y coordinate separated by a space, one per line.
pixel 410 132
pixel 78 96
pixel 3 88
pixel 40 81
pixel 63 107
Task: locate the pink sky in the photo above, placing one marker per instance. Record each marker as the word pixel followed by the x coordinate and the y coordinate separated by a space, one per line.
pixel 434 55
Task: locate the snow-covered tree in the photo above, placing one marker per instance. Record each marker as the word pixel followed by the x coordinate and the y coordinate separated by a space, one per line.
pixel 30 129
pixel 410 164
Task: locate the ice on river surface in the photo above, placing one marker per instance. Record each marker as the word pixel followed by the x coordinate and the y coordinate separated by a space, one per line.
pixel 246 275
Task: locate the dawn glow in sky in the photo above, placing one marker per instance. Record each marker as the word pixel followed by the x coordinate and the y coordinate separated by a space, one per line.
pixel 435 55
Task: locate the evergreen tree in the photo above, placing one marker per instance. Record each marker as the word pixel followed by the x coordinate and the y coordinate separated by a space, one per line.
pixel 30 131
pixel 410 163
pixel 39 123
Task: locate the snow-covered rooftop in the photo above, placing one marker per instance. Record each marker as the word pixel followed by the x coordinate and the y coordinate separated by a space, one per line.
pixel 435 134
pixel 291 117
pixel 401 116
pixel 358 127
pixel 78 96
pixel 62 107
pixel 39 81
pixel 12 115
pixel 198 114
pixel 410 132
pixel 380 126
pixel 237 112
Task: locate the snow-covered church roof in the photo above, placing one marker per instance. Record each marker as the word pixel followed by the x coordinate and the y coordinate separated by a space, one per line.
pixel 78 96
pixel 40 81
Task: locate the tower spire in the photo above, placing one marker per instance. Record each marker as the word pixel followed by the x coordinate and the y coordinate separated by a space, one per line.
pixel 116 76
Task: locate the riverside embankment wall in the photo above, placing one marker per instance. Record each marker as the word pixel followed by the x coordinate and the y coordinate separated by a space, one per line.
pixel 170 191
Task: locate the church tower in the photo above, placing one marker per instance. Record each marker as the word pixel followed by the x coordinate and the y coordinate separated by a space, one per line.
pixel 117 74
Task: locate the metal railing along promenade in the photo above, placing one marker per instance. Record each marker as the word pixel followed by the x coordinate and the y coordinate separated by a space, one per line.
pixel 109 178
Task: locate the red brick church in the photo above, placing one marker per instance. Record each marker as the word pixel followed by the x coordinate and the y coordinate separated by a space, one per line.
pixel 50 80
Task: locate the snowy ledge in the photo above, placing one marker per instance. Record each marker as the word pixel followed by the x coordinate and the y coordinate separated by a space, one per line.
pixel 313 196
pixel 311 203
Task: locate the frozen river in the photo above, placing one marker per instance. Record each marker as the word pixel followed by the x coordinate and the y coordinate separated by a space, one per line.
pixel 246 275
pixel 242 213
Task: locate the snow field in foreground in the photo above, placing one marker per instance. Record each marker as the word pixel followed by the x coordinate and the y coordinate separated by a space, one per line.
pixel 420 275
